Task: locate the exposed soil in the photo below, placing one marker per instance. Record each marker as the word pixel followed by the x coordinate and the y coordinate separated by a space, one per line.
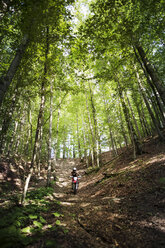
pixel 120 205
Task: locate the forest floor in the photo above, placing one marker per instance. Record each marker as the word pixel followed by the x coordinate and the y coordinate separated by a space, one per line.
pixel 120 205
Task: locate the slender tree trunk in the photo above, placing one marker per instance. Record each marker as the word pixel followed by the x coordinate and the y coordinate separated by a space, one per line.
pixel 148 107
pixel 50 137
pixel 56 138
pixel 143 127
pixel 27 145
pixel 39 152
pixel 155 109
pixel 140 111
pixel 78 139
pixel 123 131
pixel 12 139
pixel 158 101
pixel 64 143
pixel 110 130
pixel 85 149
pixel 133 136
pixel 152 73
pixel 145 122
pixel 74 153
pixel 6 80
pixel 8 119
pixel 36 145
pixel 85 141
pixel 133 116
pixel 39 122
pixel 21 150
pixel 91 131
pixel 157 96
pixel 95 127
pixel 18 139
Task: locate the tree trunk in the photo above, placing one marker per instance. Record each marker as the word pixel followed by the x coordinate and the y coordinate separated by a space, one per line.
pixel 27 145
pixel 152 73
pixel 56 138
pixel 8 119
pixel 39 152
pixel 95 128
pixel 6 80
pixel 50 137
pixel 39 122
pixel 155 109
pixel 74 153
pixel 111 143
pixel 149 109
pixel 140 111
pixel 10 150
pixel 92 145
pixel 36 145
pixel 123 131
pixel 157 96
pixel 133 116
pixel 143 126
pixel 64 143
pixel 18 138
pixel 78 139
pixel 85 140
pixel 132 133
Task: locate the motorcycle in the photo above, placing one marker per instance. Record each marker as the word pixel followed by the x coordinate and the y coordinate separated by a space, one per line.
pixel 75 183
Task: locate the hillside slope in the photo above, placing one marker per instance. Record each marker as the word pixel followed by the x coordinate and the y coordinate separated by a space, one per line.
pixel 126 199
pixel 120 205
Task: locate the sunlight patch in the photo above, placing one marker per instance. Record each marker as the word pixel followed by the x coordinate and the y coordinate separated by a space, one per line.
pixel 155 222
pixel 97 193
pixel 85 204
pixel 61 185
pixel 58 195
pixel 115 199
pixel 67 203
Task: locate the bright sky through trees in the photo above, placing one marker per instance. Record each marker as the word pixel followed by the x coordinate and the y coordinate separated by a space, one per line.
pixel 99 71
pixel 80 11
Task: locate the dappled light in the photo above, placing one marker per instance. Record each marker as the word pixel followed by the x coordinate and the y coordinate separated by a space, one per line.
pixel 82 124
pixel 110 204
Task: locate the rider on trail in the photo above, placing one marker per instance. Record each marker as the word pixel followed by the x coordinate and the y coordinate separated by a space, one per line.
pixel 74 173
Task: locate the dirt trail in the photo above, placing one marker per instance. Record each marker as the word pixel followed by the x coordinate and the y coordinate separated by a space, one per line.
pixel 120 205
pixel 72 208
pixel 126 209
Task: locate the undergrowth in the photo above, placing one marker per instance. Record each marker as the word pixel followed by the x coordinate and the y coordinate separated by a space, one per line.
pixel 21 226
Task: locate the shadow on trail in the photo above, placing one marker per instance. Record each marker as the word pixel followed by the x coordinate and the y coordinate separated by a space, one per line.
pixel 41 223
pixel 128 209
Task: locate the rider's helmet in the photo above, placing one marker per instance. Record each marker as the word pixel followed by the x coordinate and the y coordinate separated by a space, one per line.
pixel 74 169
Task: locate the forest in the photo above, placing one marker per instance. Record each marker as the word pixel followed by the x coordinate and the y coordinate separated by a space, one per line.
pixel 79 80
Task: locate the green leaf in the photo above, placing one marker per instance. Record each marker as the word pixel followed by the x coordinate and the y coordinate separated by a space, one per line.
pixel 26 229
pixel 32 217
pixel 66 231
pixel 17 223
pixel 37 224
pixel 58 222
pixel 58 202
pixel 42 220
pixel 56 214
